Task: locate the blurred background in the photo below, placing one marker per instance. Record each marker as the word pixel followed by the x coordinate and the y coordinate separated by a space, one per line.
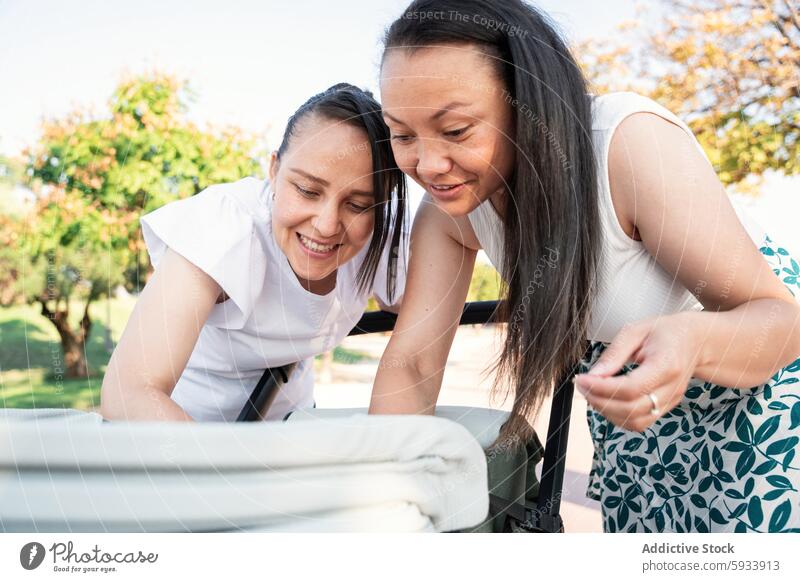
pixel 111 109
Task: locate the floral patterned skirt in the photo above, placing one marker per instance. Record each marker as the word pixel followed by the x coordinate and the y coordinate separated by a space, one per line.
pixel 723 460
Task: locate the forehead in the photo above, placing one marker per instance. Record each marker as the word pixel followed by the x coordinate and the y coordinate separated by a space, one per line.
pixel 424 80
pixel 336 151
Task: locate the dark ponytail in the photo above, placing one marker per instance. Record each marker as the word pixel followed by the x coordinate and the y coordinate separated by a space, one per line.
pixel 552 237
pixel 349 104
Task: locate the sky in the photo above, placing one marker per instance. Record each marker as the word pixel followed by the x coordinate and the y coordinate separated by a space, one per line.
pixel 250 63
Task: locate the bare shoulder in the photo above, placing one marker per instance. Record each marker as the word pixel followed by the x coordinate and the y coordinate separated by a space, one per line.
pixel 645 149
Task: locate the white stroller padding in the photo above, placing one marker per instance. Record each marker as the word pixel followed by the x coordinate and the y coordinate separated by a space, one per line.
pixel 68 471
pixel 482 423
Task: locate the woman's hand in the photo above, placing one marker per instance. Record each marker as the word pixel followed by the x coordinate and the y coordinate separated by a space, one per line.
pixel 667 350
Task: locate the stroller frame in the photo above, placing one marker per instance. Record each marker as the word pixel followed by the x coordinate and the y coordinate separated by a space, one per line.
pixel 545 516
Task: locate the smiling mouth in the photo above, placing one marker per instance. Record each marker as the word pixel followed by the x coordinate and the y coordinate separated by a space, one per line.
pixel 446 191
pixel 316 247
pixel 446 188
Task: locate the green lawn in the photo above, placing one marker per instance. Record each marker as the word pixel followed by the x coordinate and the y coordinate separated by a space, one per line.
pixel 30 348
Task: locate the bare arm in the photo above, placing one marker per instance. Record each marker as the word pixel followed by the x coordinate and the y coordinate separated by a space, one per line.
pixel 410 373
pixel 663 186
pixel 749 328
pixel 157 342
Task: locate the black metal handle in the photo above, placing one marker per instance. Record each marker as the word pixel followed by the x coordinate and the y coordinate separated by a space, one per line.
pixel 475 312
pixel 264 393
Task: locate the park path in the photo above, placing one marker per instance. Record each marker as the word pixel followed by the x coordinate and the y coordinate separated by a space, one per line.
pixel 466 384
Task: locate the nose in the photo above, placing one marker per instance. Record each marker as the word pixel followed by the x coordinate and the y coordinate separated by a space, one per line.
pixel 433 159
pixel 326 221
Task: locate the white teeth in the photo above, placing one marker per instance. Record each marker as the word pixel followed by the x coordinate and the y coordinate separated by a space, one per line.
pixel 443 187
pixel 317 248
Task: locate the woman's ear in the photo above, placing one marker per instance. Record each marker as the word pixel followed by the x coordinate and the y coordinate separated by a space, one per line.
pixel 273 167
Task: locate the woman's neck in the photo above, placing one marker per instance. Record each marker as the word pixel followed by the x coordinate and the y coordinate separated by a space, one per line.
pixel 320 287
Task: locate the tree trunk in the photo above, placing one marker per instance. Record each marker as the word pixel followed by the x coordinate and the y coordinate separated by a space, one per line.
pixel 73 343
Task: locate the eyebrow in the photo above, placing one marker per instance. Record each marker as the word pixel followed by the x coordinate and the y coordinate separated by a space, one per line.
pixel 446 109
pixel 311 177
pixel 326 184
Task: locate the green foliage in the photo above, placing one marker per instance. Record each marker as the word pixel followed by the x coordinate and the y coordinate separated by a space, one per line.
pixel 143 154
pixel 730 69
pixel 485 283
pixel 94 176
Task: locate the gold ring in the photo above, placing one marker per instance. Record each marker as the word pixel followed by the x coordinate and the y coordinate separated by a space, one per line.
pixel 655 411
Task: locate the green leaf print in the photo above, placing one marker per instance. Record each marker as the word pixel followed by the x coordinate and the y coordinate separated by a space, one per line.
pixel 668 429
pixel 780 516
pixel 787 460
pixel 765 467
pixel 746 461
pixel 795 416
pixel 782 446
pixel 744 429
pixel 754 512
pixel 698 501
pixel 717 517
pixel 766 430
pixel 725 459
pixel 779 481
pixel 738 511
pixel 736 447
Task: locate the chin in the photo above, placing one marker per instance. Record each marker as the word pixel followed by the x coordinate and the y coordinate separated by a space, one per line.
pixel 313 275
pixel 459 207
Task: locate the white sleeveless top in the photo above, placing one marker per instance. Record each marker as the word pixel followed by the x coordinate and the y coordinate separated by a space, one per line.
pixel 631 284
pixel 269 319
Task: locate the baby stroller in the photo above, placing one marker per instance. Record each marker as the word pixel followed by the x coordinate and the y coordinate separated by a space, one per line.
pixel 538 510
pixel 66 470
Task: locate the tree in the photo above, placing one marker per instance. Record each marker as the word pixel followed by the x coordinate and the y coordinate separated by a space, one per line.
pixel 11 207
pixel 485 283
pixel 730 69
pixel 94 177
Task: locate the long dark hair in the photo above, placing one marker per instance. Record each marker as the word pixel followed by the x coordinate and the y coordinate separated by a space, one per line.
pixel 349 104
pixel 551 211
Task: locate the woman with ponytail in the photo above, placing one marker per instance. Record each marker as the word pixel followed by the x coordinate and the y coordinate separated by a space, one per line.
pixel 607 225
pixel 262 273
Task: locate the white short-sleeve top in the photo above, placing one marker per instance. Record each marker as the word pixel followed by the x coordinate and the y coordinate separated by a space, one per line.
pixel 631 284
pixel 269 319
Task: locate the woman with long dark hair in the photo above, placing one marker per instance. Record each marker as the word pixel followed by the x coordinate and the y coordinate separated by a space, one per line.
pixel 262 273
pixel 608 224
